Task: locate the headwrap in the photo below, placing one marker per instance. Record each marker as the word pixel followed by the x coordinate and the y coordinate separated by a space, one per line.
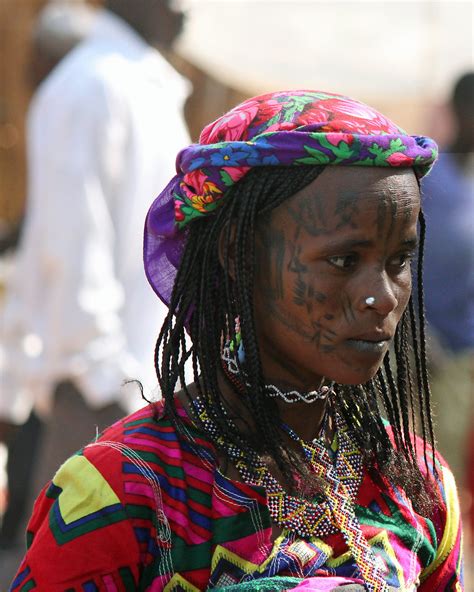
pixel 287 128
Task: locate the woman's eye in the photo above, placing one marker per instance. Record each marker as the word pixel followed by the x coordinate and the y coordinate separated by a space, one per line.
pixel 343 261
pixel 402 260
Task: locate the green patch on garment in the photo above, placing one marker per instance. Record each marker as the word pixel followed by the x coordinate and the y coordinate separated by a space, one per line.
pixel 127 578
pixel 397 524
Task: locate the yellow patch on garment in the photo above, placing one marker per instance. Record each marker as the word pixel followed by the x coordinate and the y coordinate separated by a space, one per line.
pixel 302 550
pixel 451 526
pixel 177 582
pixel 223 554
pixel 87 491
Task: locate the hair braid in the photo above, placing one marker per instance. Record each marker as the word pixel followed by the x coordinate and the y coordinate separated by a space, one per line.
pixel 403 380
pixel 428 431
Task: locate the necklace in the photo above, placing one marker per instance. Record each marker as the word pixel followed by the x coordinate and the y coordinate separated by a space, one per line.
pixel 309 518
pixel 340 497
pixel 295 513
pixel 296 396
pixel 232 371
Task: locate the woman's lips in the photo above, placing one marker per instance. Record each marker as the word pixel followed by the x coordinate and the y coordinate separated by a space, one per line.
pixel 373 342
pixel 367 346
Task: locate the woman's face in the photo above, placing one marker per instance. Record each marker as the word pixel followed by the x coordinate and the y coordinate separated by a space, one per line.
pixel 346 237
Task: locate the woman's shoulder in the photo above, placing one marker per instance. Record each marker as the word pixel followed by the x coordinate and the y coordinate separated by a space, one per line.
pixel 431 462
pixel 134 454
pixel 446 565
pixel 147 437
pixel 440 482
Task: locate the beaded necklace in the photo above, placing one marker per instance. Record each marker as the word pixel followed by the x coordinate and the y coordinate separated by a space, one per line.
pixel 335 513
pixel 340 497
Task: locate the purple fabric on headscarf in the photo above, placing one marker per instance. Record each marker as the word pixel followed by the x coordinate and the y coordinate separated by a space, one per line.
pixel 163 243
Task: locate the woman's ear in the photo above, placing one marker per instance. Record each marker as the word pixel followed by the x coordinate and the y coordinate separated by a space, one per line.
pixel 227 240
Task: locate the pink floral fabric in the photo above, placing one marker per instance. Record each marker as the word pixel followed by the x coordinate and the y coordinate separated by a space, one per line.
pixel 290 128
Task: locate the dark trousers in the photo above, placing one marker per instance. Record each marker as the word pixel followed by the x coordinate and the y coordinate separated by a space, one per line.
pixel 21 460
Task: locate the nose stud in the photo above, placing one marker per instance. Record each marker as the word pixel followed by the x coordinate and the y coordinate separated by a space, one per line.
pixel 370 301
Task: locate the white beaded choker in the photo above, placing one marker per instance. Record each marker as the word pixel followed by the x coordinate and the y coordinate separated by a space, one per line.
pixel 296 397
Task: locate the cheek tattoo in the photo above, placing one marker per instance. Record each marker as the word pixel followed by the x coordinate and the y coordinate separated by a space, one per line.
pixel 271 255
pixel 323 337
pixel 304 293
pixel 347 308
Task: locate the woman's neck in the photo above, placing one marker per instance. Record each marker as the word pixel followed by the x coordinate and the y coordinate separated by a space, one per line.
pixel 304 418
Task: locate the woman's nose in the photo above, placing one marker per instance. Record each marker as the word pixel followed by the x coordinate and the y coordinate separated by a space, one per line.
pixel 379 295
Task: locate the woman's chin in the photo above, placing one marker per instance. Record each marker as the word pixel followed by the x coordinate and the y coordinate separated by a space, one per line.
pixel 353 377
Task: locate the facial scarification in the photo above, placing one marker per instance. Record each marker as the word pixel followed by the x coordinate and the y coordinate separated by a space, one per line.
pixel 320 255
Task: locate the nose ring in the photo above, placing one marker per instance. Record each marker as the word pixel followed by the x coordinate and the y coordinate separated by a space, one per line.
pixel 370 301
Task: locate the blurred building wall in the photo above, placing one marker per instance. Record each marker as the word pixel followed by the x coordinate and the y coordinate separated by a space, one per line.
pixel 399 56
pixel 16 18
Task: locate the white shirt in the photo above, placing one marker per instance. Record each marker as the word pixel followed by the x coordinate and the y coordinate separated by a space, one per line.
pixel 103 132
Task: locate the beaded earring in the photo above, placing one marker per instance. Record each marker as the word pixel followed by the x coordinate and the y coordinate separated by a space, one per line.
pixel 238 344
pixel 233 349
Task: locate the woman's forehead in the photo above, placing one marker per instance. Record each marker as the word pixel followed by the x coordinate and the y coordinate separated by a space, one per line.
pixel 347 197
pixel 360 182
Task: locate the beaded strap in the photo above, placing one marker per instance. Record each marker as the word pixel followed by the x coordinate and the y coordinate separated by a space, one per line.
pixel 340 500
pixel 299 515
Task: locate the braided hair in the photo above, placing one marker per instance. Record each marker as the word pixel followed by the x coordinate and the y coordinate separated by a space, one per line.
pixel 207 294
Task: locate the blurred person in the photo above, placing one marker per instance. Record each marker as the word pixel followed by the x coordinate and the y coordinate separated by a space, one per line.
pixel 449 278
pixel 58 28
pixel 80 318
pixel 9 237
pixel 283 247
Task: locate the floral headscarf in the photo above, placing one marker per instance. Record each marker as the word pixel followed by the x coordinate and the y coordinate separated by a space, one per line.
pixel 288 128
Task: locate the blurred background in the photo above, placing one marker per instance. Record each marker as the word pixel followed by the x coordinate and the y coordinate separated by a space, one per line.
pixel 401 56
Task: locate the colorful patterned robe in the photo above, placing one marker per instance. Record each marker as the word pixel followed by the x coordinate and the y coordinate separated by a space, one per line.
pixel 141 510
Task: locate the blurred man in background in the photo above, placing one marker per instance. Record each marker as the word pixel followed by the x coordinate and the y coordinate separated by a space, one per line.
pixel 58 28
pixel 449 281
pixel 80 318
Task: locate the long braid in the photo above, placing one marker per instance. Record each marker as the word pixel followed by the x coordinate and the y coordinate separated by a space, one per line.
pixel 395 396
pixel 413 402
pixel 403 380
pixel 262 406
pixel 426 391
pixel 388 402
pixel 269 438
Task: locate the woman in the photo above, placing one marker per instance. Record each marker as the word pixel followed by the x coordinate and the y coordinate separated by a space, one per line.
pixel 283 248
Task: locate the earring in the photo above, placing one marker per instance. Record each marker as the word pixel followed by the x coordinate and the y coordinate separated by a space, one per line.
pixel 233 350
pixel 238 342
pixel 370 301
